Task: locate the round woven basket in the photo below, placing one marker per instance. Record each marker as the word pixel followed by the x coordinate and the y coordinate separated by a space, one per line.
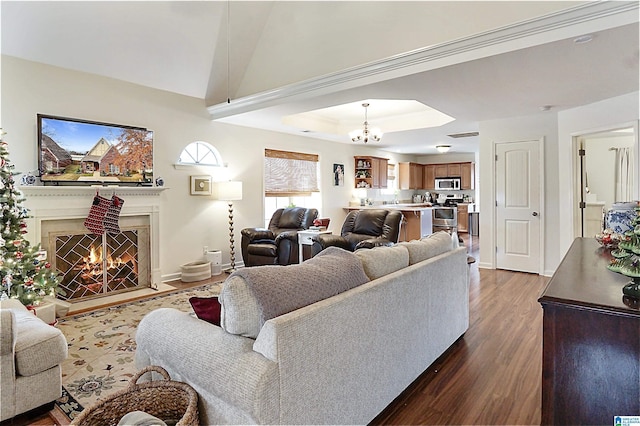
pixel 167 400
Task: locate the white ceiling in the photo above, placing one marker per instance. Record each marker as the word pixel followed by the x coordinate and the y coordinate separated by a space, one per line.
pixel 182 47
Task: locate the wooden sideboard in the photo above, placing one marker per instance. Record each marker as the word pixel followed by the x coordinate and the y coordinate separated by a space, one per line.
pixel 591 341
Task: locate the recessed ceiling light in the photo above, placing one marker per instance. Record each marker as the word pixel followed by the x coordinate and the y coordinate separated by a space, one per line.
pixel 583 39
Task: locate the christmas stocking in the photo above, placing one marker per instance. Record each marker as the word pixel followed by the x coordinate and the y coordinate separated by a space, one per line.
pixel 113 214
pixel 95 221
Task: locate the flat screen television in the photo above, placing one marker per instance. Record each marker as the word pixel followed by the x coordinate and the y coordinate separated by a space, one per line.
pixel 80 152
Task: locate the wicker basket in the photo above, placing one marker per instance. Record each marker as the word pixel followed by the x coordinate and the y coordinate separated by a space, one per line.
pixel 165 399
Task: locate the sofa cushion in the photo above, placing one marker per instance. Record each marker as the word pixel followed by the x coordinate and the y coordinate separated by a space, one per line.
pixel 39 346
pixel 380 261
pixel 428 247
pixel 251 296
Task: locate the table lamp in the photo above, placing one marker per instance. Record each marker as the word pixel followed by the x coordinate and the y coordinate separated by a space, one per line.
pixel 229 191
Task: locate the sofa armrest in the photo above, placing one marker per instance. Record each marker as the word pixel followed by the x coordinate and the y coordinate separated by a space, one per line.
pixel 8 331
pixel 330 240
pixel 373 242
pixel 253 234
pixel 288 235
pixel 322 241
pixel 212 361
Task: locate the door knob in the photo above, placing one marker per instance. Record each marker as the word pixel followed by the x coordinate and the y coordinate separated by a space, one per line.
pixel 534 214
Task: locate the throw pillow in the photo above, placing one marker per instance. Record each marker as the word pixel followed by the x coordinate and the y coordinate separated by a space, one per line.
pixel 428 247
pixel 206 308
pixel 251 296
pixel 380 261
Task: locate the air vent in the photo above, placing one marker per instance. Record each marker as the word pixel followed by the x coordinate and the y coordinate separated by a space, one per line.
pixel 463 135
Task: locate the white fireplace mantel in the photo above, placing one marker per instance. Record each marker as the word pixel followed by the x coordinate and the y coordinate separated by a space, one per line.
pixel 73 202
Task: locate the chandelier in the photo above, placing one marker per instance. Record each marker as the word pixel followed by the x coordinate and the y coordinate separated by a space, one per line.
pixel 365 134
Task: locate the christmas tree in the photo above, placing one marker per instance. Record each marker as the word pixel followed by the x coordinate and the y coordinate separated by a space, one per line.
pixel 23 273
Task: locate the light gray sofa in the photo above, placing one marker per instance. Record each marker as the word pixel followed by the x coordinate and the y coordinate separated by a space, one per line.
pixel 340 360
pixel 31 353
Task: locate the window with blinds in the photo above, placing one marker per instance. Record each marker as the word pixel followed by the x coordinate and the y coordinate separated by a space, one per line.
pixel 290 173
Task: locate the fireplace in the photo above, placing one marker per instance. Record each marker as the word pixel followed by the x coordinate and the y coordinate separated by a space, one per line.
pixel 96 265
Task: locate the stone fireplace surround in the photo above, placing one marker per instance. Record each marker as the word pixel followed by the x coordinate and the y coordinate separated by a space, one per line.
pixel 49 203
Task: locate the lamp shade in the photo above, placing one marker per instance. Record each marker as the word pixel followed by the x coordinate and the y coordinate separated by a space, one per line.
pixel 227 191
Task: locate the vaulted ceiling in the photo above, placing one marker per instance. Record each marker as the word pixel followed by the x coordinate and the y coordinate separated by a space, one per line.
pixel 262 55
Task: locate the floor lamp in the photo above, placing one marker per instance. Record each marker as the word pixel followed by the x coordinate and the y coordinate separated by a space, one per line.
pixel 229 191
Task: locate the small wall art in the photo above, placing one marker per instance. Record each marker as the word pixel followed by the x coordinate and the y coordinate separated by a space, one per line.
pixel 338 175
pixel 200 185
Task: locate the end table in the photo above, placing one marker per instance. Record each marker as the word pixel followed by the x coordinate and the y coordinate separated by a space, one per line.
pixel 305 238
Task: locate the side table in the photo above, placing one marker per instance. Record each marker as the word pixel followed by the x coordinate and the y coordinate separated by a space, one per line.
pixel 305 238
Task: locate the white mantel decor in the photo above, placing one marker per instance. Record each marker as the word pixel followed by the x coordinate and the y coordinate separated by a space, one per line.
pixel 73 202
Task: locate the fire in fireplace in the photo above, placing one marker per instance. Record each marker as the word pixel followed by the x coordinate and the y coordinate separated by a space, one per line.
pixel 87 272
pixel 97 265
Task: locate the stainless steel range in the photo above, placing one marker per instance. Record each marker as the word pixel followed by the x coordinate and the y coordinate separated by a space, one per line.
pixel 445 219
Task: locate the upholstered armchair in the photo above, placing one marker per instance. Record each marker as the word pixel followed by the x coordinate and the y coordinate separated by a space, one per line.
pixel 278 244
pixel 363 229
pixel 31 354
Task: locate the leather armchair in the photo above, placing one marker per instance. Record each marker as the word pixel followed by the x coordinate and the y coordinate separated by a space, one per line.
pixel 363 229
pixel 277 244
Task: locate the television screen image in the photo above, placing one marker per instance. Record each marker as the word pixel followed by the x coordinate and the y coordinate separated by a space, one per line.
pixel 82 152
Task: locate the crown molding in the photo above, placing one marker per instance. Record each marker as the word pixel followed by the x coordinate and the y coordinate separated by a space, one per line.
pixel 425 58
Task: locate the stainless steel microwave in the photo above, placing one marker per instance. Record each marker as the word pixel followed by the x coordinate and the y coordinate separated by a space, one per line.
pixel 448 184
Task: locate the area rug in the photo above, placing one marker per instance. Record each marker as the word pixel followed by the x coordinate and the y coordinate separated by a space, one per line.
pixel 102 346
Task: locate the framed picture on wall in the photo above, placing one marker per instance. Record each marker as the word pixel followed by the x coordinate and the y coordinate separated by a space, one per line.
pixel 200 185
pixel 338 175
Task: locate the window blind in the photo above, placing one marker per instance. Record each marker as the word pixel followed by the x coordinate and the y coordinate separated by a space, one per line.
pixel 289 173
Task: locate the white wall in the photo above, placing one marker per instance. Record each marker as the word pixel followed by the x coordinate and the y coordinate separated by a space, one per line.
pixel 187 222
pixel 540 126
pixel 618 112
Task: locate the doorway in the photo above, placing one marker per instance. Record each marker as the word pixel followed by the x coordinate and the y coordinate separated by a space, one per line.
pixel 606 173
pixel 519 206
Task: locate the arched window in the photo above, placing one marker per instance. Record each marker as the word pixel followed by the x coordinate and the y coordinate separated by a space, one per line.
pixel 200 153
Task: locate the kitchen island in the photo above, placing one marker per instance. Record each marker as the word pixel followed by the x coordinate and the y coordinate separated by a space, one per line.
pixel 417 222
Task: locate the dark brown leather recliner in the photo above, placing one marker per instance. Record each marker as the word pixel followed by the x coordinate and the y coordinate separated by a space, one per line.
pixel 277 245
pixel 363 229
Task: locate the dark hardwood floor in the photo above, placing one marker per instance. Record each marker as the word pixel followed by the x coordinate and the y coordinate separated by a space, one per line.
pixel 492 375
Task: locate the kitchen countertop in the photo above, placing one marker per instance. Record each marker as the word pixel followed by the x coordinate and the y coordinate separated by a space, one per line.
pixel 408 207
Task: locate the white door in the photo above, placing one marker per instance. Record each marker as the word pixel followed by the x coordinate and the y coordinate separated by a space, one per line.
pixel 518 220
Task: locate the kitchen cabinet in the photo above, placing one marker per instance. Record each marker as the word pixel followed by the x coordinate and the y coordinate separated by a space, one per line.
pixel 416 224
pixel 410 176
pixel 467 176
pixel 429 176
pixel 441 170
pixel 466 172
pixel 371 172
pixel 463 218
pixel 454 170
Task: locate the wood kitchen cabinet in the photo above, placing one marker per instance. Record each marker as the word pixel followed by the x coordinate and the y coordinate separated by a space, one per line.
pixel 466 172
pixel 590 341
pixel 441 170
pixel 371 172
pixel 410 176
pixel 429 176
pixel 467 176
pixel 463 218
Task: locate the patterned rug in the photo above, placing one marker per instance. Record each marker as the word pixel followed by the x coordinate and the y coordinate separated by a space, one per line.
pixel 102 346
